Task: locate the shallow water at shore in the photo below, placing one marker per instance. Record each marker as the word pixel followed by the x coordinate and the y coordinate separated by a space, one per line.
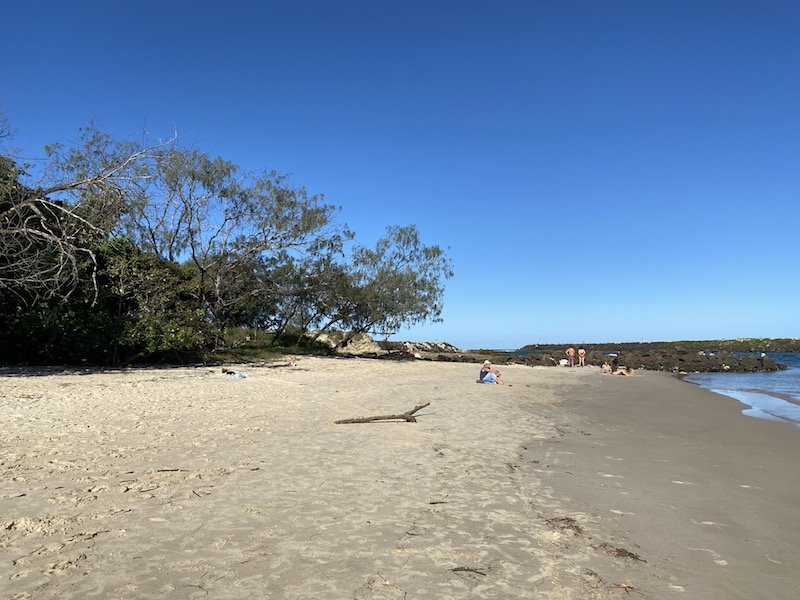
pixel 774 396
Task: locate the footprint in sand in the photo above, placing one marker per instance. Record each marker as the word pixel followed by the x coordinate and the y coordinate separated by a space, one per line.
pixel 710 523
pixel 772 560
pixel 717 558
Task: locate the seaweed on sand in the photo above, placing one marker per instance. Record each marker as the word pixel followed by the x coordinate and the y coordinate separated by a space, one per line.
pixel 619 552
pixel 565 523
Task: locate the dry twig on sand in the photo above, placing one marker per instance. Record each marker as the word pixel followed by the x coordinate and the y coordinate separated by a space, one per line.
pixel 406 416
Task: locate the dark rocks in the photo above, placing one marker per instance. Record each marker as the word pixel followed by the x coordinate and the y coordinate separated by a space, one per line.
pixel 689 362
pixel 669 357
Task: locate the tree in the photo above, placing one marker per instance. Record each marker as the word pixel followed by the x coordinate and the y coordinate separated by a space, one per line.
pixel 47 231
pixel 151 303
pixel 234 229
pixel 399 282
pixel 402 281
pixel 161 248
pixel 315 292
pixel 144 309
pixel 378 290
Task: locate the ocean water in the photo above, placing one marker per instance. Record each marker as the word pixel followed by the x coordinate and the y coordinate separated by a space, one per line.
pixel 773 396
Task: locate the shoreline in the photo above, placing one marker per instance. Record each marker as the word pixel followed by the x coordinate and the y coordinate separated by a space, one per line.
pixel 695 487
pixel 763 392
pixel 159 482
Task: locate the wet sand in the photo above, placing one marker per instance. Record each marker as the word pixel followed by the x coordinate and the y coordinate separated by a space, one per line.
pixel 187 483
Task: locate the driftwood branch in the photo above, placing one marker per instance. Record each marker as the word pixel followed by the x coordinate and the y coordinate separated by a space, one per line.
pixel 406 416
pixel 467 570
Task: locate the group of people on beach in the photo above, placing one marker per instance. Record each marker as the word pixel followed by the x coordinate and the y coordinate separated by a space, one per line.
pixel 571 357
pixel 606 369
pixel 490 375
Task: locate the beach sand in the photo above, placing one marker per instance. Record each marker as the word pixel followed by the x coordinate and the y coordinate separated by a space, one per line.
pixel 187 483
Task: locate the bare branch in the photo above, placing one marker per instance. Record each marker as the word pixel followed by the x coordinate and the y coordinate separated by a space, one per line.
pixel 45 244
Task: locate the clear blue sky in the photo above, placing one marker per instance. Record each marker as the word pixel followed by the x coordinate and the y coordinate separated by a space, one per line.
pixel 599 170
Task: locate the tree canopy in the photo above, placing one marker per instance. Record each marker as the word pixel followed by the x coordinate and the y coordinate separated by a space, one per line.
pixel 118 251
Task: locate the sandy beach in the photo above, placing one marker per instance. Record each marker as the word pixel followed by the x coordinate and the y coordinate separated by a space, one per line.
pixel 187 483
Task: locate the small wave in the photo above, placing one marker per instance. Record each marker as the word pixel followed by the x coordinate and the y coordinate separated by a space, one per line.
pixel 764 406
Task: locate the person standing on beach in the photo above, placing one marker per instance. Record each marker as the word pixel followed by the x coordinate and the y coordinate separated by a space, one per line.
pixel 571 356
pixel 581 357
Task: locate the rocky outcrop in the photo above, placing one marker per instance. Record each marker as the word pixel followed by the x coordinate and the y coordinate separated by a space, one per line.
pixel 675 361
pixel 359 344
pixel 684 361
pixel 668 359
pixel 754 345
pixel 655 358
pixel 420 347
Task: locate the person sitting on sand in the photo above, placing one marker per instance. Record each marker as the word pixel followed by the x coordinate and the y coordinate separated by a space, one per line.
pixel 607 369
pixel 489 375
pixel 624 371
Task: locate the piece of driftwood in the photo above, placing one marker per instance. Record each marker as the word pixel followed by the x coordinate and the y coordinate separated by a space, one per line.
pixel 406 416
pixel 467 570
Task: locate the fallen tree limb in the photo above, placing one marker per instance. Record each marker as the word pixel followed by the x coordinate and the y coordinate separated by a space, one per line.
pixel 467 570
pixel 406 416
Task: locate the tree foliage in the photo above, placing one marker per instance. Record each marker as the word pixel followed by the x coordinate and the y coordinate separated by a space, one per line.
pixel 47 230
pixel 402 282
pixel 124 251
pixel 234 229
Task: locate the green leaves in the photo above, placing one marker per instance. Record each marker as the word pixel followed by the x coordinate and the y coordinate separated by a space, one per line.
pixel 160 249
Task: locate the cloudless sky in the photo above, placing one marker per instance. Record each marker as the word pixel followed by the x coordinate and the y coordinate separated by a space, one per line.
pixel 600 171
